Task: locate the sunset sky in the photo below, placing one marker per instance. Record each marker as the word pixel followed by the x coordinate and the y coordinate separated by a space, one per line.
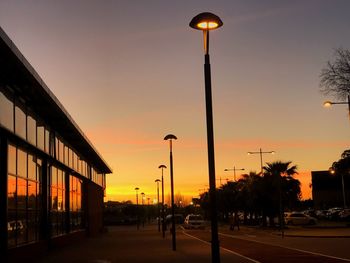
pixel 130 72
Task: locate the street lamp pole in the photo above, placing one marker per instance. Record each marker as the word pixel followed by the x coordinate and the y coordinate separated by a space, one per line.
pixel 172 137
pixel 205 22
pixel 143 209
pixel 344 197
pixel 332 171
pixel 137 207
pixel 261 158
pixel 328 104
pixel 162 166
pixel 157 181
pixel 234 171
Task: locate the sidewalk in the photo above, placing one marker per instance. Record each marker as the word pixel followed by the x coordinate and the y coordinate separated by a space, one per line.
pixel 318 231
pixel 127 244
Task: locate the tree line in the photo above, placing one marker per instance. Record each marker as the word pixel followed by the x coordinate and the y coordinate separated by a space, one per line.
pixel 260 196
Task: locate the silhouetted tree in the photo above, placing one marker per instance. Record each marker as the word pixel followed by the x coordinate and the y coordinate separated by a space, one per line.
pixel 250 194
pixel 335 77
pixel 280 188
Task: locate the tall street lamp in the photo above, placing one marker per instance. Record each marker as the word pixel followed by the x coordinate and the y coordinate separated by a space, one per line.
pixel 137 206
pixel 206 22
pixel 328 104
pixel 157 181
pixel 143 208
pixel 234 171
pixel 261 154
pixel 162 166
pixel 172 137
pixel 143 198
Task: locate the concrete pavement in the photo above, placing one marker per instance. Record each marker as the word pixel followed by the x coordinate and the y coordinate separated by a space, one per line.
pixel 127 244
pixel 322 230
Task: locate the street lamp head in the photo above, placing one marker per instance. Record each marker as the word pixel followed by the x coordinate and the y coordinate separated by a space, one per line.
pixel 249 153
pixel 331 170
pixel 206 21
pixel 327 104
pixel 161 166
pixel 136 188
pixel 226 170
pixel 157 180
pixel 170 137
pixel 273 152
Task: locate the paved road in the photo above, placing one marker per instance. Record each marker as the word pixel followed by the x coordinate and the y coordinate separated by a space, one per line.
pixel 265 251
pixel 125 244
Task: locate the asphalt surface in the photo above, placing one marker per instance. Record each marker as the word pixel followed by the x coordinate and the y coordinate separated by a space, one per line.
pixel 127 244
pixel 263 252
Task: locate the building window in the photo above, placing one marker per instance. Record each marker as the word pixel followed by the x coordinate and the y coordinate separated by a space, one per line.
pixel 57 201
pixel 47 141
pixel 23 197
pixel 6 111
pixel 31 130
pixel 40 131
pixel 20 122
pixel 75 204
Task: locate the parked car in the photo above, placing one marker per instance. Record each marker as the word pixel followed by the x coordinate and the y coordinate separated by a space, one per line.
pixel 299 219
pixel 321 214
pixel 333 213
pixel 194 222
pixel 179 219
pixel 344 214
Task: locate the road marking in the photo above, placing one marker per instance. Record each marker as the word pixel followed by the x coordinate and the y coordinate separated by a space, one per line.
pixel 296 249
pixel 230 251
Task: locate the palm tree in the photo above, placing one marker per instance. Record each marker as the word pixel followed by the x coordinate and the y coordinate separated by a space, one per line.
pixel 279 187
pixel 250 192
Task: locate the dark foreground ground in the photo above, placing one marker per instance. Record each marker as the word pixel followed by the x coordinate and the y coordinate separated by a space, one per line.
pixel 127 244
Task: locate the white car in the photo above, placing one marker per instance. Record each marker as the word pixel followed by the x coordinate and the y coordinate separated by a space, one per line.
pixel 194 222
pixel 299 219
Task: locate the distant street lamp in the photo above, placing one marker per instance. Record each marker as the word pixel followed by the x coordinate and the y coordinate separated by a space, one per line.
pixel 206 22
pixel 158 208
pixel 143 209
pixel 261 154
pixel 332 171
pixel 143 198
pixel 137 206
pixel 328 104
pixel 172 137
pixel 162 166
pixel 234 169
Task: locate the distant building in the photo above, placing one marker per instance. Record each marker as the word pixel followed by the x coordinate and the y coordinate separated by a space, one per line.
pixel 52 179
pixel 327 189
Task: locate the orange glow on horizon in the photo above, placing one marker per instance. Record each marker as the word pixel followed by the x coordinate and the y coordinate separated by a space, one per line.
pixel 187 192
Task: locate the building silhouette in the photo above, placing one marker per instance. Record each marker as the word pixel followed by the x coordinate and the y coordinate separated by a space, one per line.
pixel 327 189
pixel 52 179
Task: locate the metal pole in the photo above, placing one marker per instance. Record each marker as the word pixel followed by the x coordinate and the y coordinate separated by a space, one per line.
pixel 137 210
pixel 261 162
pixel 158 206
pixel 234 173
pixel 172 198
pixel 215 247
pixel 163 212
pixel 342 182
